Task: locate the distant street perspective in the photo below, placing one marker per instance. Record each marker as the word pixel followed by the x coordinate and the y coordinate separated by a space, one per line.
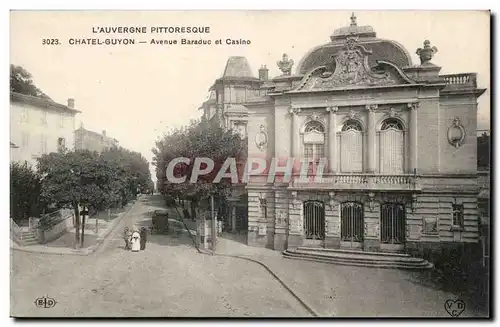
pixel 350 179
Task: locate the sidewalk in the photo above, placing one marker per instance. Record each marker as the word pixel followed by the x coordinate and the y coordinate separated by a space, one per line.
pixel 92 240
pixel 345 291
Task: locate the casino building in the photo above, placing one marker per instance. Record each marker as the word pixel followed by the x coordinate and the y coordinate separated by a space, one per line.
pixel 399 139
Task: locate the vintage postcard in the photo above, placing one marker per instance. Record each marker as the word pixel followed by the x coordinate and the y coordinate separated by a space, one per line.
pixel 250 164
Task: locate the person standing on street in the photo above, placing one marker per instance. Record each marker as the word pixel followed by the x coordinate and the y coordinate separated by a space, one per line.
pixel 143 238
pixel 126 237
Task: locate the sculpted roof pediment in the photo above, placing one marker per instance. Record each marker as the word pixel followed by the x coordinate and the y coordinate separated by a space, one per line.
pixel 350 69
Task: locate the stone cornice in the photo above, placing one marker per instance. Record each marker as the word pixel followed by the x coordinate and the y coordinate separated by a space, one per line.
pixel 351 103
pixel 353 88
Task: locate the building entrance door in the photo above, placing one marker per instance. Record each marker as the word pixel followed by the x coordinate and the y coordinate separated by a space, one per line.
pixel 314 223
pixel 351 224
pixel 392 223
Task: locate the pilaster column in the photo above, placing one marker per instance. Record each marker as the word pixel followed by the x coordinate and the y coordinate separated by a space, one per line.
pixel 332 139
pixel 371 138
pixel 295 132
pixel 413 136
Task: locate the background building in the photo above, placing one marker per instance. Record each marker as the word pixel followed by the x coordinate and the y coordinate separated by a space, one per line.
pixel 93 141
pixel 39 126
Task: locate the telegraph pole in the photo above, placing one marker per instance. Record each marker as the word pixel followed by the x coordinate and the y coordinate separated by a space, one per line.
pixel 214 224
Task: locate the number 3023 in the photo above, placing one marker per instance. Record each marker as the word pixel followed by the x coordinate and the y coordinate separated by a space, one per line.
pixel 50 41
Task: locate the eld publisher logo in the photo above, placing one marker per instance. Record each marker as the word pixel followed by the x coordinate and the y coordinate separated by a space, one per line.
pixel 45 302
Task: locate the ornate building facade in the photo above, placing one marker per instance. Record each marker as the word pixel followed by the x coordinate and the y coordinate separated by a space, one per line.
pixel 398 140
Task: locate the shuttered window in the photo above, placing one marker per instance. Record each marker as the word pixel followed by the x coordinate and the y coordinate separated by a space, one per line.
pixel 391 147
pixel 351 143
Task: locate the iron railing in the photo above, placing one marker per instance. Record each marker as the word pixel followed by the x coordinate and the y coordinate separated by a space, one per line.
pixel 16 233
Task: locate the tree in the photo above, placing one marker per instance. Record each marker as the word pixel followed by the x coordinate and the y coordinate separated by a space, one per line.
pixel 74 179
pixel 483 151
pixel 198 139
pixel 21 82
pixel 25 188
pixel 133 172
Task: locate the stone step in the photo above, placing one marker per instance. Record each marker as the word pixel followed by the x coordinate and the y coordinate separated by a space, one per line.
pixel 28 236
pixel 25 243
pixel 359 256
pixel 419 262
pixel 359 260
pixel 357 264
pixel 385 254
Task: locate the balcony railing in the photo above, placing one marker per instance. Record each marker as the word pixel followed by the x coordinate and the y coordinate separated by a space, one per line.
pixel 360 182
pixel 460 80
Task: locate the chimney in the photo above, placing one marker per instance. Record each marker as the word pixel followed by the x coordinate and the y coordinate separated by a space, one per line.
pixel 263 73
pixel 71 103
pixel 104 132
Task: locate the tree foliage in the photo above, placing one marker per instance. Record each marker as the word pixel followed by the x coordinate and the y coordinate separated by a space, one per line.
pixel 198 139
pixel 94 181
pixel 483 151
pixel 25 188
pixel 21 82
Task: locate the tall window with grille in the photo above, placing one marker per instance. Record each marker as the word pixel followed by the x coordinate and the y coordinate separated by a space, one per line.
pixel 314 143
pixel 457 215
pixel 391 139
pixel 351 147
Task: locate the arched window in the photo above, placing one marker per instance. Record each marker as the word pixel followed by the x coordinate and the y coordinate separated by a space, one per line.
pixel 391 146
pixel 314 141
pixel 353 125
pixel 314 126
pixel 351 147
pixel 392 124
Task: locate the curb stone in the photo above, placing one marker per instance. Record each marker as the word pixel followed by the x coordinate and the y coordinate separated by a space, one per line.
pixel 295 295
pixel 87 251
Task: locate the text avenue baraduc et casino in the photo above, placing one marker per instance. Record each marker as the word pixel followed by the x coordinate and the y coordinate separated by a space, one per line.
pixel 196 33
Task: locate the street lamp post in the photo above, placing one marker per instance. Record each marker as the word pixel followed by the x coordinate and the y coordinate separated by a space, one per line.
pixel 214 224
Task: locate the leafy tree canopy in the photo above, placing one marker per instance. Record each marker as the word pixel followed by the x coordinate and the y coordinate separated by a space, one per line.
pixel 198 139
pixel 21 82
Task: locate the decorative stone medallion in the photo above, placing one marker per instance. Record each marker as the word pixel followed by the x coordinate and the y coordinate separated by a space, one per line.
pixel 456 133
pixel 261 138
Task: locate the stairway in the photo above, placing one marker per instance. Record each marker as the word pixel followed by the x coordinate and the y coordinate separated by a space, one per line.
pixel 28 238
pixel 358 258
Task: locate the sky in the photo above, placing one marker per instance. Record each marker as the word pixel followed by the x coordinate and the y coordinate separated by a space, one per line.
pixel 137 92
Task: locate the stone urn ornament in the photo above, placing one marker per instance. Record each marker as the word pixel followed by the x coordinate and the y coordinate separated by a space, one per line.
pixel 426 53
pixel 285 65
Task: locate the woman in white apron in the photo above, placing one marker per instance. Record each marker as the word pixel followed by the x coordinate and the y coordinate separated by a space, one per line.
pixel 136 241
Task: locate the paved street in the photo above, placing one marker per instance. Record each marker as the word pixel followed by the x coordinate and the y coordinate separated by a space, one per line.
pixel 170 278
